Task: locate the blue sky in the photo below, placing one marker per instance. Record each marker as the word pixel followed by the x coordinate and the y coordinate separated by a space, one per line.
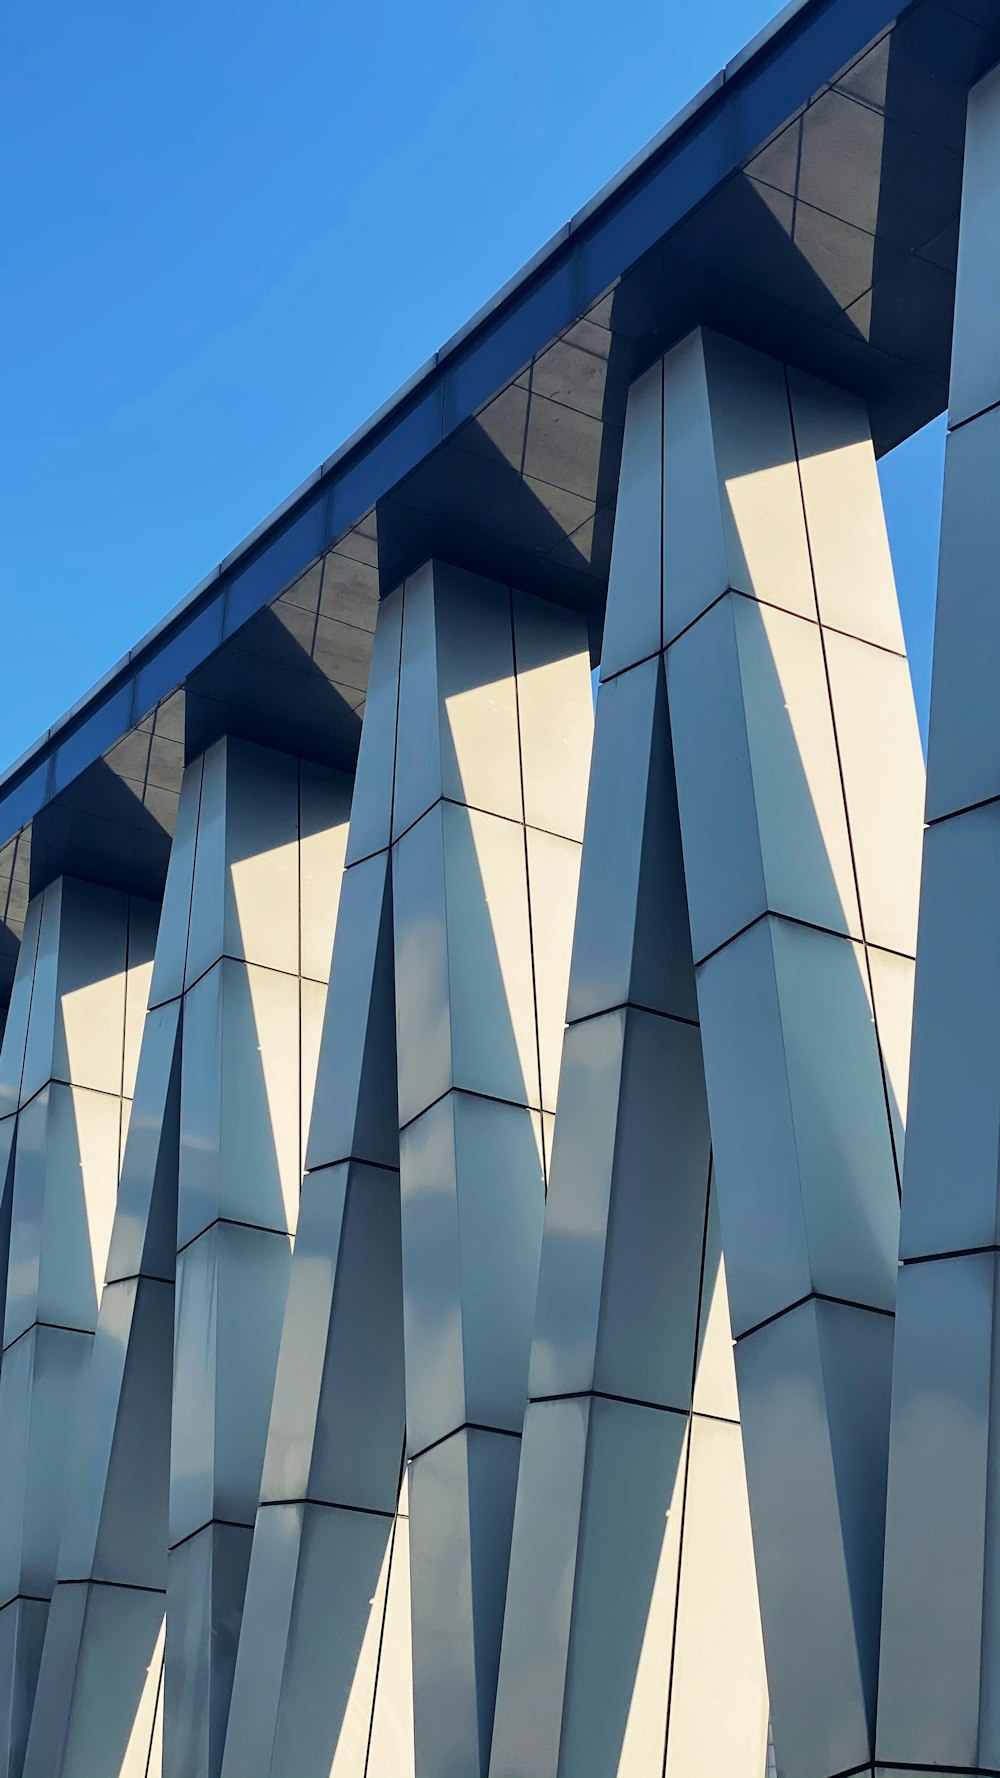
pixel 231 231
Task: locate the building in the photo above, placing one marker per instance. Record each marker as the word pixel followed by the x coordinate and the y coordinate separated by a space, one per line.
pixel 292 890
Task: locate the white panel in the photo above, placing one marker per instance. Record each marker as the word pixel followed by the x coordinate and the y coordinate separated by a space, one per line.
pixel 732 505
pixel 892 992
pixel 855 588
pixel 883 772
pixel 246 869
pixel 143 921
pixel 92 943
pixel 632 628
pixel 324 810
pixel 718 1693
pixel 555 713
pixel 553 875
pixel 312 1005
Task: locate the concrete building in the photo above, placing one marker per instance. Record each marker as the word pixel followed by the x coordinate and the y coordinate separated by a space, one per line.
pixel 458 1317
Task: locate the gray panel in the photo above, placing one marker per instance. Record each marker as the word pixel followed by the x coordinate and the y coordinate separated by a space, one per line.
pixel 633 624
pixel 205 1589
pixel 336 1429
pixel 472 1204
pixel 761 799
pixel 354 1106
pixel 632 935
pixel 319 1720
pixel 963 764
pixel 807 1186
pixel 814 1394
pixel 934 1628
pixel 629 1178
pixel 975 364
pixel 231 1289
pixel 371 805
pixel 461 1513
pixel 98 1684
pixel 172 939
pixel 955 1116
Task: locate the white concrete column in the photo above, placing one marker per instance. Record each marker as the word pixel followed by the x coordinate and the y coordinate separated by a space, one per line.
pixel 322 1683
pixel 67 1068
pixel 491 757
pixel 253 878
pixel 799 782
pixel 939 1688
pixel 631 1643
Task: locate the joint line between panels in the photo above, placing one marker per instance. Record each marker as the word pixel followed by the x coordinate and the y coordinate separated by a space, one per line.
pixel 984 802
pixel 466 1426
pixel 121 1586
pixel 813 1296
pixel 336 1506
pixel 808 925
pixel 381 1641
pixel 655 1012
pixel 956 426
pixel 845 804
pixel 630 1401
pixel 232 1524
pixel 138 1278
pixel 248 963
pixel 455 802
pixel 947 1771
pixel 233 1222
pixel 56 1326
pixel 467 1093
pixel 927 1259
pixel 29 1598
pixel 527 876
pixel 353 1160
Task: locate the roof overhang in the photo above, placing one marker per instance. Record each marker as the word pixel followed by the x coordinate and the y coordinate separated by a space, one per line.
pixel 806 201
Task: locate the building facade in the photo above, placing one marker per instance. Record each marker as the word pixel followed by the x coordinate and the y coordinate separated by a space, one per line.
pixel 468 1312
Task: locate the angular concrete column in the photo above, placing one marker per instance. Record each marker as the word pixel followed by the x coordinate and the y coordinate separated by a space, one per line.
pixel 491 757
pixel 66 1078
pixel 939 1688
pixel 253 882
pixel 322 1673
pixel 750 555
pixel 799 783
pixel 102 1663
pixel 632 1641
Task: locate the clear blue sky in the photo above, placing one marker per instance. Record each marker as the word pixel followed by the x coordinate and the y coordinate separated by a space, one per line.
pixel 230 231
